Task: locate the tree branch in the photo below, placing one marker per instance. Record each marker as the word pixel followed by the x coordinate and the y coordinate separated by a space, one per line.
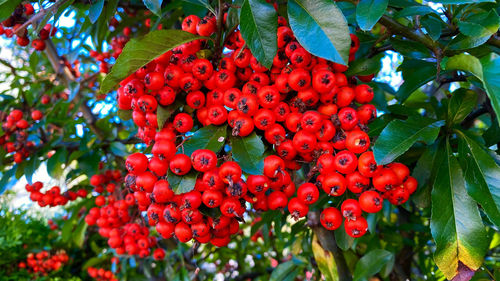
pixel 67 78
pixel 38 16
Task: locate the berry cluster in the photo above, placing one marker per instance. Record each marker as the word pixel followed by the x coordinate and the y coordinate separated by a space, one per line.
pixel 52 197
pixel 114 221
pixel 305 107
pixel 100 274
pixel 15 137
pixel 11 26
pixel 43 262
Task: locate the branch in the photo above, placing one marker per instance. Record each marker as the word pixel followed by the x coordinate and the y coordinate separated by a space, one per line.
pixel 7 64
pixel 220 29
pixel 67 78
pixel 327 240
pixel 399 29
pixel 38 16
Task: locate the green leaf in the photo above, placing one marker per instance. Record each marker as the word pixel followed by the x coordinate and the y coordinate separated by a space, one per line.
pixel 282 271
pixel 480 24
pixel 456 225
pixel 482 176
pixel 321 28
pixel 55 163
pixel 139 52
pixel 432 25
pixel 343 240
pixel 31 167
pixel 248 152
pixel 368 12
pixel 95 10
pixel 164 112
pixel 400 135
pixel 432 157
pixel 209 137
pixel 154 6
pixel 462 42
pixel 79 234
pixel 203 3
pixel 118 149
pixel 124 114
pixel 365 66
pixel 410 49
pixel 462 102
pixel 7 7
pixel 414 10
pixel 325 261
pixel 467 63
pixel 182 184
pixel 6 177
pixel 371 263
pixel 416 73
pixel 258 26
pixel 491 81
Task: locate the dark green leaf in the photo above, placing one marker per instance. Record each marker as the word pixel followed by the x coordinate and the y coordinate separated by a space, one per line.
pixel 400 135
pixel 7 7
pixel 462 1
pixel 282 271
pixel 30 168
pixel 414 10
pixel 433 26
pixel 462 42
pixel 154 6
pixel 410 49
pixel 462 102
pixel 209 137
pixel 365 66
pixel 456 225
pixel 258 26
pixel 371 263
pixel 248 152
pixel 425 173
pixel 480 24
pixel 203 3
pixel 416 73
pixel 343 240
pixel 182 184
pixel 95 10
pixel 482 176
pixel 164 112
pixel 321 28
pixel 491 81
pixel 56 162
pixel 6 177
pixel 368 12
pixel 139 52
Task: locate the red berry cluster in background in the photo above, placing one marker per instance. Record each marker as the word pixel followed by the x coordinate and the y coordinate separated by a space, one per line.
pixel 11 26
pixel 305 107
pixel 100 274
pixel 43 262
pixel 15 137
pixel 53 196
pixel 125 232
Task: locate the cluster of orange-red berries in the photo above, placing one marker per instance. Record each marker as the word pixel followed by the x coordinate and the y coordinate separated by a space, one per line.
pixel 43 262
pixel 53 196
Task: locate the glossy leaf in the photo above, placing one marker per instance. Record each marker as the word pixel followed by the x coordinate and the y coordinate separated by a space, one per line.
pixel 365 66
pixel 482 176
pixel 425 172
pixel 325 261
pixel 400 135
pixel 368 12
pixel 182 184
pixel 480 24
pixel 95 10
pixel 154 6
pixel 467 63
pixel 248 152
pixel 416 73
pixel 209 137
pixel 203 3
pixel 371 263
pixel 462 102
pixel 258 26
pixel 79 234
pixel 139 52
pixel 456 225
pixel 491 81
pixel 321 28
pixel 54 164
pixel 343 240
pixel 282 271
pixel 414 10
